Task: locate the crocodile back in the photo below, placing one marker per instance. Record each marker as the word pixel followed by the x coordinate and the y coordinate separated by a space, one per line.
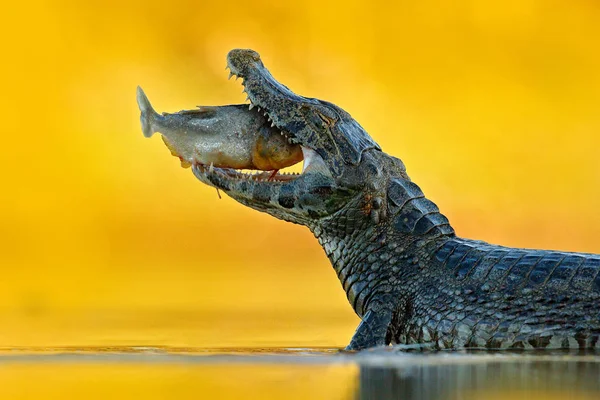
pixel 485 296
pixel 510 270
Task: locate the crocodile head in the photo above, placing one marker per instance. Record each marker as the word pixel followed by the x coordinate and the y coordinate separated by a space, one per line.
pixel 334 147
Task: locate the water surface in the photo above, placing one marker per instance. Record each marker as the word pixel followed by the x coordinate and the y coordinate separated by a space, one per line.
pixel 295 373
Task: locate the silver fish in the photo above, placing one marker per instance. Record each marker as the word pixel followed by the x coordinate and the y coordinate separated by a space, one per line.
pixel 225 136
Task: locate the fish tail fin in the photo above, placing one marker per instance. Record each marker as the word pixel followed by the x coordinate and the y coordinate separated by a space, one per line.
pixel 147 113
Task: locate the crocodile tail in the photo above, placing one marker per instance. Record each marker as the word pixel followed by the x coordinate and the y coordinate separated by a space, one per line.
pixel 147 115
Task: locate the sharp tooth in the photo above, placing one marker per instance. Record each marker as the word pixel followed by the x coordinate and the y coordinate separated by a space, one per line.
pixel 230 74
pixel 211 168
pixel 258 108
pixel 250 106
pixel 247 98
pixel 272 124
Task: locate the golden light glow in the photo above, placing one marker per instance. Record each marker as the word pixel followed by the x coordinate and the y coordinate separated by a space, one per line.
pixel 494 108
pixel 181 381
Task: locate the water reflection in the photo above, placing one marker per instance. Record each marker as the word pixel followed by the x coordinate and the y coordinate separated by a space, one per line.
pixel 445 376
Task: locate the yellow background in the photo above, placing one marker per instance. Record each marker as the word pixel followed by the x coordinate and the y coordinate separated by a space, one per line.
pixel 105 240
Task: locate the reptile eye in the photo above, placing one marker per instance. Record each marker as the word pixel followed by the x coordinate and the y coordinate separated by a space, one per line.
pixel 327 120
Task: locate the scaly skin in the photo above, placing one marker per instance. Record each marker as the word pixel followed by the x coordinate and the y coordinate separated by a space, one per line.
pixel 406 274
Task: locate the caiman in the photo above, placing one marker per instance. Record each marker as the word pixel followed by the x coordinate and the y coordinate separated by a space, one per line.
pixel 406 274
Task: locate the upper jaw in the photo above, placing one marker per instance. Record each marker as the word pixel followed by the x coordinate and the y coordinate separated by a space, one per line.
pixel 323 127
pixel 245 64
pixel 267 95
pixel 275 101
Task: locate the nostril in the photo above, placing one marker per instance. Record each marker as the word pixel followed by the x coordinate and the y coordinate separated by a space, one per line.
pixel 243 54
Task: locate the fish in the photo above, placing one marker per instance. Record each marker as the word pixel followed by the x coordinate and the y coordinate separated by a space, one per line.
pixel 231 136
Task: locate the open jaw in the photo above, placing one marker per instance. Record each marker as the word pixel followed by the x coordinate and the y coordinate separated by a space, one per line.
pixel 230 178
pixel 225 178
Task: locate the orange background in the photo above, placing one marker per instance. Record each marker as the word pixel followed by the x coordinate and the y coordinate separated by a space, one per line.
pixel 494 108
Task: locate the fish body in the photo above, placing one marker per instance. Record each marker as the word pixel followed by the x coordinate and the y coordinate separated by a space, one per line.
pixel 231 136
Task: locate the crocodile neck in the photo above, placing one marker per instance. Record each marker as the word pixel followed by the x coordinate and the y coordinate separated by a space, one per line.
pixel 376 262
